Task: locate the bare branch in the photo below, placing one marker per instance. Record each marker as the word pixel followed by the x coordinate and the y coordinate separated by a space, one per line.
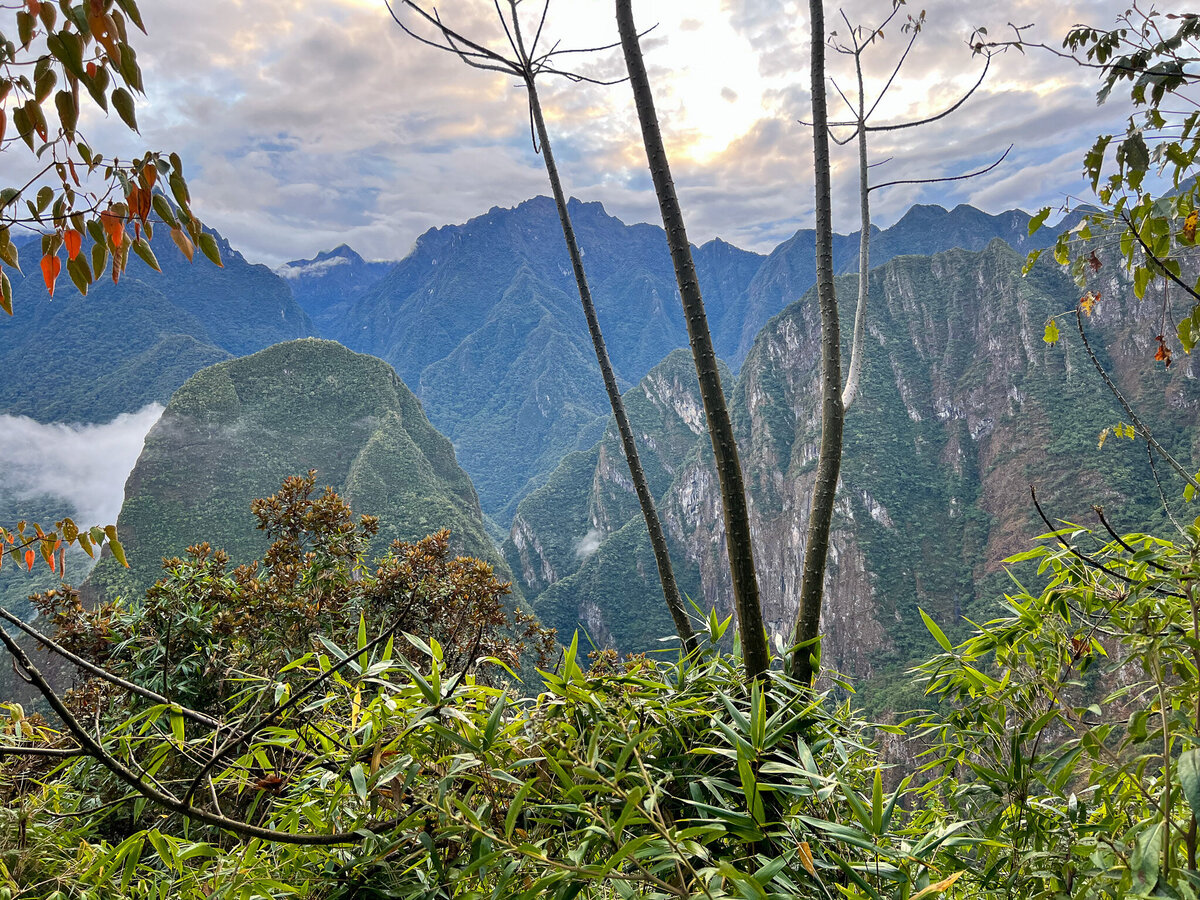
pixel 159 796
pixel 945 112
pixel 1092 562
pixel 982 171
pixel 273 716
pixel 1137 422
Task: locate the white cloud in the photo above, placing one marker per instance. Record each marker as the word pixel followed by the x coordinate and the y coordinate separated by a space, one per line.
pixel 307 125
pixel 589 543
pixel 318 267
pixel 83 465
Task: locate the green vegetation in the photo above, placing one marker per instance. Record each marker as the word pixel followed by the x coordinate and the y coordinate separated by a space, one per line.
pixel 235 429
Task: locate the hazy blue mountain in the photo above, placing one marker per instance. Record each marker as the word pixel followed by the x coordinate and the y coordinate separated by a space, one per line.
pixel 326 285
pixel 125 345
pixel 483 319
pixel 790 270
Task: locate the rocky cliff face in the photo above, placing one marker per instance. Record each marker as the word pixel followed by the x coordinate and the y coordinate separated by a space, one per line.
pixel 962 408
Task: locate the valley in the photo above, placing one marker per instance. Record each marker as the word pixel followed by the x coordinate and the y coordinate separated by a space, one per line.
pixel 963 406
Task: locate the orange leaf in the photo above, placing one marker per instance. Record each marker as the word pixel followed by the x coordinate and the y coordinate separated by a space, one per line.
pixel 806 858
pixel 74 241
pixel 183 242
pixel 91 70
pixel 34 7
pixel 29 560
pixel 53 563
pixel 1087 301
pixel 1163 354
pixel 114 227
pixel 51 266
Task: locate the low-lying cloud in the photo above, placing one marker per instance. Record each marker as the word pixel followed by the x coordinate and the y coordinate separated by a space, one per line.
pixel 589 543
pixel 85 466
pixel 318 267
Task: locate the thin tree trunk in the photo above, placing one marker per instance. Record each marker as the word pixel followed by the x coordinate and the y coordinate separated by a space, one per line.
pixel 808 620
pixel 658 540
pixel 755 654
pixel 864 248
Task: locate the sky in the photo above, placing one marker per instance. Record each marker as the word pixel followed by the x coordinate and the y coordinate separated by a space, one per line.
pixel 304 125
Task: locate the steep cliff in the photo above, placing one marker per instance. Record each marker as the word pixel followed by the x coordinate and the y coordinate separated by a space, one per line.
pixel 963 407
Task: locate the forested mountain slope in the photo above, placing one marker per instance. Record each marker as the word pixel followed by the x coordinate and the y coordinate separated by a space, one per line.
pixel 963 406
pixel 235 430
pixel 128 344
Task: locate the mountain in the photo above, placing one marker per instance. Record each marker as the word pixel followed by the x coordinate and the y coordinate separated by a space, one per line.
pixel 483 320
pixel 235 430
pixel 962 407
pixel 87 359
pixel 326 285
pixel 790 270
pixel 587 504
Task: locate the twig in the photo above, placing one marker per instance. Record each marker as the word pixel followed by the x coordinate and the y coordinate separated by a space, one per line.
pixel 1138 423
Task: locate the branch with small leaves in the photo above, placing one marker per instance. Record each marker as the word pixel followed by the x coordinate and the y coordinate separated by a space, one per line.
pixel 76 195
pixel 27 540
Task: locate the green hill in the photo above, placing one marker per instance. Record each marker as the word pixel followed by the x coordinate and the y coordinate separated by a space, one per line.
pixel 235 430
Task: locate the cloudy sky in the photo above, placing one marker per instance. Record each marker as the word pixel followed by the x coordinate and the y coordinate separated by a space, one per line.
pixel 307 124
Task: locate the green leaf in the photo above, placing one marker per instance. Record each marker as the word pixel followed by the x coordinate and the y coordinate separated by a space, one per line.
pixel 9 194
pixel 208 246
pixel 1143 862
pixel 1189 777
pixel 142 248
pixel 123 101
pixel 1040 219
pixel 68 49
pixel 359 779
pixel 5 293
pixel 68 112
pixel 1051 334
pixel 1141 278
pixel 938 634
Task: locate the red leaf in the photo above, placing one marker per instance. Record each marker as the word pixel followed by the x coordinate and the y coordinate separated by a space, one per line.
pixel 29 560
pixel 51 266
pixel 74 241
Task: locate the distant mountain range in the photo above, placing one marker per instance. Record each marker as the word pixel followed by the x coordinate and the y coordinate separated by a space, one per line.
pixel 481 319
pixel 961 405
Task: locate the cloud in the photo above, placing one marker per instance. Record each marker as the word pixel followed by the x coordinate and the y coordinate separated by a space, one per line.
pixel 318 267
pixel 305 125
pixel 589 543
pixel 85 466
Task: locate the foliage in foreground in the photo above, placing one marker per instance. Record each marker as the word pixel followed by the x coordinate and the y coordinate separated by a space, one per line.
pixel 388 755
